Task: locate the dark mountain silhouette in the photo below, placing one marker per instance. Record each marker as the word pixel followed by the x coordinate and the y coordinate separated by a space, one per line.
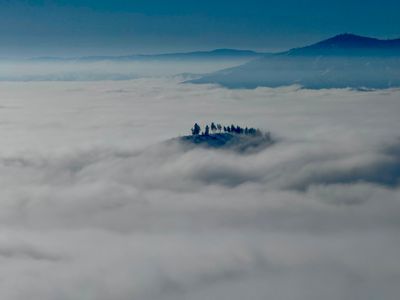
pixel 346 60
pixel 347 43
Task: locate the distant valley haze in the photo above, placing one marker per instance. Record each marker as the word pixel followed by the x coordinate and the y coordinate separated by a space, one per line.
pixel 343 61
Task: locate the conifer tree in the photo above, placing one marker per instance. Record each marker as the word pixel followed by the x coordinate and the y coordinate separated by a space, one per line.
pixel 207 130
pixel 196 129
pixel 213 127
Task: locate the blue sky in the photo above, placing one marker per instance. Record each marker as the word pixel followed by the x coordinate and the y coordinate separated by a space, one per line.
pixel 104 27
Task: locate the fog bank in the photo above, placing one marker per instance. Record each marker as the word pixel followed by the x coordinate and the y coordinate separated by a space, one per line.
pixel 95 205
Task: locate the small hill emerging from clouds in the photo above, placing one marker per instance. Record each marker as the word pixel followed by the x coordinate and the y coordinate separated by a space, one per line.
pixel 234 138
pixel 228 141
pixel 344 61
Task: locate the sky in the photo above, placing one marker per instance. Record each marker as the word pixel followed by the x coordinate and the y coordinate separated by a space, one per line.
pixel 105 27
pixel 94 204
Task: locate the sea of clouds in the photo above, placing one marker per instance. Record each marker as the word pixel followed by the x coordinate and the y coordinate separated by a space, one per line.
pixel 94 205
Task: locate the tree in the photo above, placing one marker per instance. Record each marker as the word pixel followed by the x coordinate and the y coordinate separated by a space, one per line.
pixel 236 129
pixel 196 129
pixel 207 130
pixel 213 127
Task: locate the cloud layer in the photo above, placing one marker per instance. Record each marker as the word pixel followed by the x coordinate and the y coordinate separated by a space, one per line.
pixel 95 205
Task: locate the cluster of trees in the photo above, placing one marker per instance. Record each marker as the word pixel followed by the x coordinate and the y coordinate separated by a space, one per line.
pixel 218 128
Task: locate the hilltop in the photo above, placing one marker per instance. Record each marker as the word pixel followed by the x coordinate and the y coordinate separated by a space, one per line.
pixel 350 44
pixel 235 138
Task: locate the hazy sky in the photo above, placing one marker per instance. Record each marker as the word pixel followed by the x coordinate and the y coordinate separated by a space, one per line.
pixel 84 27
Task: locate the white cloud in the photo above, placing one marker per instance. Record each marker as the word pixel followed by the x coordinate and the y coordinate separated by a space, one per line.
pixel 93 204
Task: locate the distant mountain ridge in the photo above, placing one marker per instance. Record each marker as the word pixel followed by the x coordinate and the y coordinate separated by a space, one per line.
pixel 212 54
pixel 343 61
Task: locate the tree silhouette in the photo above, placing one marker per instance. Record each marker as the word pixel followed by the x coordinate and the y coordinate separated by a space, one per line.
pixel 207 130
pixel 216 128
pixel 213 127
pixel 251 131
pixel 196 129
